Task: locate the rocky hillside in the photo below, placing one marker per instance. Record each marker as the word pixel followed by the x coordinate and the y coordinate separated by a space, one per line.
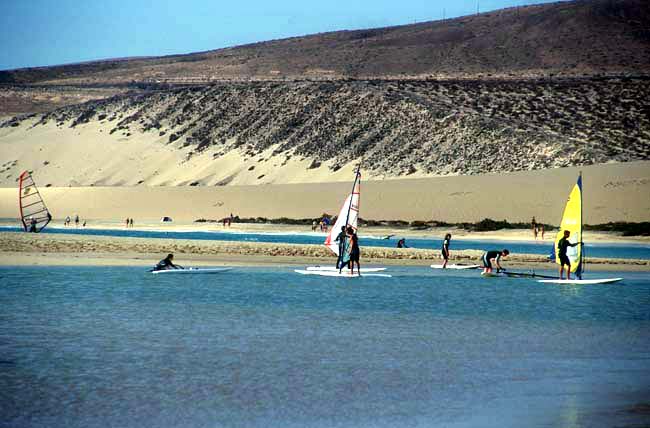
pixel 578 38
pixel 398 127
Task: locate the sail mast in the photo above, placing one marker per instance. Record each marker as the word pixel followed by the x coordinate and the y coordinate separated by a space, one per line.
pixel 354 186
pixel 581 267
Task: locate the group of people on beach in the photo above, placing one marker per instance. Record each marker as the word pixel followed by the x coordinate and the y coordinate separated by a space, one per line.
pixel 128 223
pixel 538 229
pixel 76 221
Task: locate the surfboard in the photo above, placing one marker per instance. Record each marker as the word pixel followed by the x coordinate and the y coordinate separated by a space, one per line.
pixel 191 271
pixel 493 275
pixel 580 281
pixel 335 269
pixel 456 267
pixel 344 274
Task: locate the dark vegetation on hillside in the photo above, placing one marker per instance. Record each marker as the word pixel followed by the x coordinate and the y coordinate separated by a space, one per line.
pixel 399 127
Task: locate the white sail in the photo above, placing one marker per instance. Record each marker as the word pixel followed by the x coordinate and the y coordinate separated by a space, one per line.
pixel 348 216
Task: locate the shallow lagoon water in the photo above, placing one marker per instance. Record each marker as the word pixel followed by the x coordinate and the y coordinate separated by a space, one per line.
pixel 608 250
pixel 264 347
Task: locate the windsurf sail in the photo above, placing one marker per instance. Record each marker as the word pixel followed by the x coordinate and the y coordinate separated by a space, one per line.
pixel 348 216
pixel 34 215
pixel 572 221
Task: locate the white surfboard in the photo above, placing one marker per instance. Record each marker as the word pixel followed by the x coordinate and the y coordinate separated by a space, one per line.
pixel 344 274
pixel 493 275
pixel 335 269
pixel 456 267
pixel 580 281
pixel 191 271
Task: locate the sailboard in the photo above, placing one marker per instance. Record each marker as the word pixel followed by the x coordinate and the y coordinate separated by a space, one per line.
pixel 190 271
pixel 456 267
pixel 348 216
pixel 335 269
pixel 343 274
pixel 572 221
pixel 34 215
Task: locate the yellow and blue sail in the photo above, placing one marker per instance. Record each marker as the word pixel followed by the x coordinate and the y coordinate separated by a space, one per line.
pixel 572 221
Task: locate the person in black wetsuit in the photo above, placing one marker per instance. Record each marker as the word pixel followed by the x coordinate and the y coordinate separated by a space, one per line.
pixel 562 246
pixel 445 250
pixel 496 256
pixel 355 252
pixel 402 243
pixel 32 224
pixel 340 238
pixel 167 263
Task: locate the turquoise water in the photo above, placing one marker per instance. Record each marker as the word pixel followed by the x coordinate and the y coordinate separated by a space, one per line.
pixel 264 347
pixel 623 251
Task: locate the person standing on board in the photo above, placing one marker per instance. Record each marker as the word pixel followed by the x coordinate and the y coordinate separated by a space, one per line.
pixel 32 224
pixel 355 252
pixel 167 263
pixel 340 238
pixel 493 255
pixel 562 247
pixel 445 250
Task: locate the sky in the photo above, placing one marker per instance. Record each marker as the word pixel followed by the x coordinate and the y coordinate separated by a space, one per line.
pixel 50 32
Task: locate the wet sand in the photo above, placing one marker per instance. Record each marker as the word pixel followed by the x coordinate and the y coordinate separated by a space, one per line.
pixel 62 249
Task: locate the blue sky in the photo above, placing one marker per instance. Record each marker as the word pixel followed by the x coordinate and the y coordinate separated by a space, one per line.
pixel 49 32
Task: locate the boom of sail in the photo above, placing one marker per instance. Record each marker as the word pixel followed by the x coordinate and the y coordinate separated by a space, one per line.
pixel 34 215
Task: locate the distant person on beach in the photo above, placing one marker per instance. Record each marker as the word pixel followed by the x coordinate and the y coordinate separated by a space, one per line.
pixel 67 221
pixel 541 230
pixel 355 253
pixel 445 250
pixel 84 225
pixel 131 222
pixel 401 243
pixel 127 222
pixel 493 255
pixel 32 224
pixel 340 238
pixel 562 247
pixel 313 226
pixel 167 263
pixel 533 224
pixel 76 220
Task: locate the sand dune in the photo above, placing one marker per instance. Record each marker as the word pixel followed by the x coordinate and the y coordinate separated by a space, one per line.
pixel 613 192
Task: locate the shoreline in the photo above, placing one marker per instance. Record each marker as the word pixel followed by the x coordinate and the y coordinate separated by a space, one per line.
pixel 371 232
pixel 83 250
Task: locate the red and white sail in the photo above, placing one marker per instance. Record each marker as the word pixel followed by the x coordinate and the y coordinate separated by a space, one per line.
pixel 348 216
pixel 34 215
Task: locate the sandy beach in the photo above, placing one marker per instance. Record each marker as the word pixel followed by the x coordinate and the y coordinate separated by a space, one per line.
pixel 62 249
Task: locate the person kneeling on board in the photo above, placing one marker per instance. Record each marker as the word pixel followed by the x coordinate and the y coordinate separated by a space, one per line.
pixel 496 256
pixel 167 263
pixel 562 246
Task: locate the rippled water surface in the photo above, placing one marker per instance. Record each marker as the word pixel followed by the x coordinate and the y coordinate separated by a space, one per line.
pixel 264 347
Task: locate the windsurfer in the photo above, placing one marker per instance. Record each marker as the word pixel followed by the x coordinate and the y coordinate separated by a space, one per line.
pixel 355 252
pixel 562 247
pixel 32 224
pixel 167 263
pixel 340 238
pixel 493 255
pixel 445 250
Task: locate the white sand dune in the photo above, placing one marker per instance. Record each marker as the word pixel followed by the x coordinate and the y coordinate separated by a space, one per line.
pixel 97 175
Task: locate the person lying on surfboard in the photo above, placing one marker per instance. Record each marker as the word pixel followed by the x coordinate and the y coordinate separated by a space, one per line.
pixel 167 263
pixel 445 250
pixel 562 247
pixel 496 256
